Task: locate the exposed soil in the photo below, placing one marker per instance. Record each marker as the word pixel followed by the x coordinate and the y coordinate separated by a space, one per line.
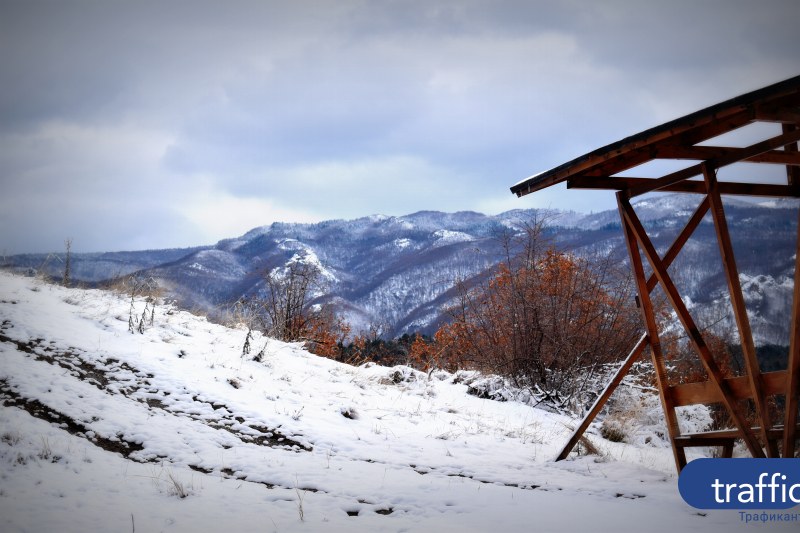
pixel 116 377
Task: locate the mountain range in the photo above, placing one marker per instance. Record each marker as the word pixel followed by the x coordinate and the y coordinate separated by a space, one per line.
pixel 397 274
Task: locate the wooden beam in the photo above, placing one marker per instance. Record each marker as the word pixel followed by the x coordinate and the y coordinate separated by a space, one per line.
pixel 693 133
pixel 635 227
pixel 695 170
pixel 621 183
pixel 793 369
pixel 604 396
pixel 772 433
pixel 648 315
pixel 782 109
pixel 779 101
pixel 792 172
pixel 777 157
pixel 703 153
pixel 737 302
pixel 705 392
pixel 685 441
pixel 681 239
pixel 623 370
pixel 783 116
pixel 723 437
pixel 669 179
pixel 727 450
pixel 634 151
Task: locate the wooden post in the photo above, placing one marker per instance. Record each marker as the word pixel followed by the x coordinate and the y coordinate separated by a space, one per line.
pixel 648 315
pixel 739 309
pixel 793 370
pixel 792 172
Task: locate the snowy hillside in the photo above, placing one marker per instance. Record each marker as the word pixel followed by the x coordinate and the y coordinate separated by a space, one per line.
pixel 173 430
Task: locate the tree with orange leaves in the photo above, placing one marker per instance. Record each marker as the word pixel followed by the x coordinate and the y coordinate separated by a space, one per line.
pixel 546 319
pixel 425 354
pixel 325 333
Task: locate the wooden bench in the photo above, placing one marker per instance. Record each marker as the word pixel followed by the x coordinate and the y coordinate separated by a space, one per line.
pixel 725 438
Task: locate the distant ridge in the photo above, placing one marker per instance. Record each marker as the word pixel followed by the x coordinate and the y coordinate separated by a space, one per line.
pixel 399 272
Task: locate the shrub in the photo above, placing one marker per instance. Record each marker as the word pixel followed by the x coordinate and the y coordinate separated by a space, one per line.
pixel 547 320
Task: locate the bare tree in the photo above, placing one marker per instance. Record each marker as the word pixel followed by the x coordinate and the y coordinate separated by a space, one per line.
pixel 245 311
pixel 66 280
pixel 149 290
pixel 289 290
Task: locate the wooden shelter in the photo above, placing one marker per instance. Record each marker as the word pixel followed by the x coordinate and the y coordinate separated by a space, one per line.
pixel 680 140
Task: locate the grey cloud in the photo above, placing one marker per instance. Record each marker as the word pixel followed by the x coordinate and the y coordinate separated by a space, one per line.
pixel 257 99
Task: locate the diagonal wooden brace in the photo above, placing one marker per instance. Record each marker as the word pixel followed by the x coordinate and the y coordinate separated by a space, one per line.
pixel 651 325
pixel 739 310
pixel 604 396
pixel 793 370
pixel 634 225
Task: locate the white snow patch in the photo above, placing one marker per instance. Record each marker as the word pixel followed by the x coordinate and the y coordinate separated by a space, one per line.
pixel 445 236
pixel 402 243
pixel 364 448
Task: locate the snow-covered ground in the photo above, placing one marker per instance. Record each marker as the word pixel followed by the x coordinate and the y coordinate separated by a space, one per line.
pixel 174 430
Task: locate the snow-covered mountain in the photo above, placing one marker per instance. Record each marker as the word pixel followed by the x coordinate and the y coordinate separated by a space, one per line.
pixel 399 272
pixel 173 430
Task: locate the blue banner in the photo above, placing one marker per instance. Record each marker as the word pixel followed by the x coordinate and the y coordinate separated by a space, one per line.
pixel 741 483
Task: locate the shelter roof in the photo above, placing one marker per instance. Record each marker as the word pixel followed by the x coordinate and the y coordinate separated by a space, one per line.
pixel 680 139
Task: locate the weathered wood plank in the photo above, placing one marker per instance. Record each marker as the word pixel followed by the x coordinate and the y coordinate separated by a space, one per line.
pixel 695 132
pixel 696 442
pixel 778 102
pixel 780 114
pixel 634 151
pixel 704 392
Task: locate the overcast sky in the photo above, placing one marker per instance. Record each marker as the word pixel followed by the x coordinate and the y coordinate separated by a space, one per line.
pixel 135 125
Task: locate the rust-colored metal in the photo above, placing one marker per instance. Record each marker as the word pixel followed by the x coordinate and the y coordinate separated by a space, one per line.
pixel 678 140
